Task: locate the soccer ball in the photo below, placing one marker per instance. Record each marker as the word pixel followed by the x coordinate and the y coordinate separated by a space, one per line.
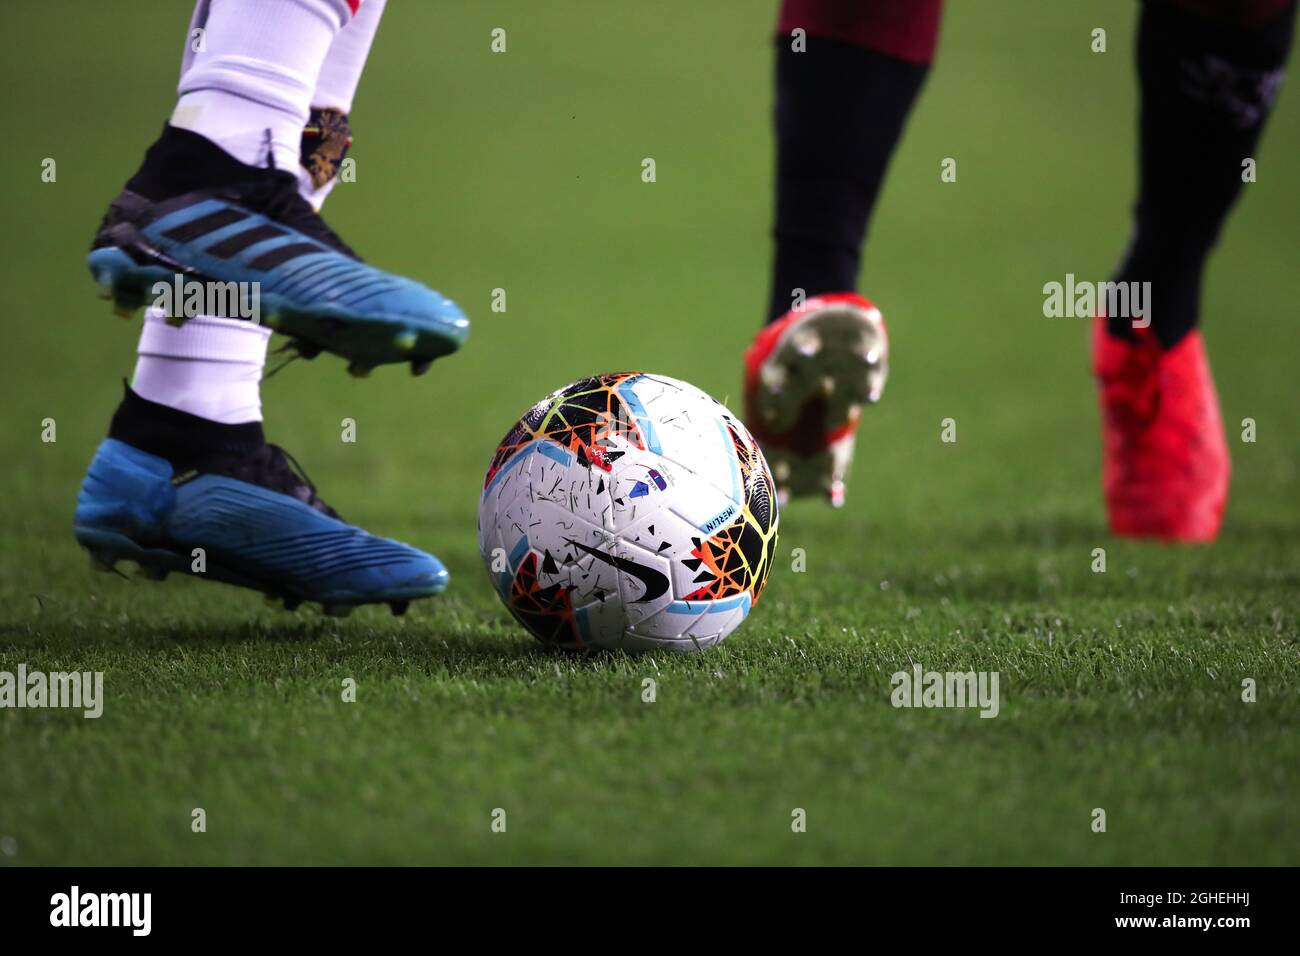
pixel 628 511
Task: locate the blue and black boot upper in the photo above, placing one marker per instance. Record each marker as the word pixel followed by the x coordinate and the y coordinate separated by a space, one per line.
pixel 175 492
pixel 195 214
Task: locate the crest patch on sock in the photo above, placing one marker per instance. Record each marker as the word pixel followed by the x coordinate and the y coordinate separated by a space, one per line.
pixel 325 142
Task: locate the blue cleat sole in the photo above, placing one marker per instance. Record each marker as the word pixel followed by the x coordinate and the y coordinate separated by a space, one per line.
pixel 364 340
pixel 107 549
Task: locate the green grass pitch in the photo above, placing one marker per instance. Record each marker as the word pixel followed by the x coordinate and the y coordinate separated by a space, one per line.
pixel 522 171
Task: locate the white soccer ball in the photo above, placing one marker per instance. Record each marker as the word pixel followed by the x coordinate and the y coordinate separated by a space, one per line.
pixel 628 511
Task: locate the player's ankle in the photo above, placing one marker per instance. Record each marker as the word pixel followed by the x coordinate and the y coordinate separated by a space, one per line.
pixel 177 436
pixel 182 161
pixel 252 133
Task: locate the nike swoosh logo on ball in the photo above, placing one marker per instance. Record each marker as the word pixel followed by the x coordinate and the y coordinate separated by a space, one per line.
pixel 654 582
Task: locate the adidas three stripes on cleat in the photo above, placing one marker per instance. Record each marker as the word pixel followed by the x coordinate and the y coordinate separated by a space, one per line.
pixel 247 520
pixel 251 226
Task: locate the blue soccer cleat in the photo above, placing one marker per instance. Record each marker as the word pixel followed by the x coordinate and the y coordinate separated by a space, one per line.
pixel 249 520
pixel 194 214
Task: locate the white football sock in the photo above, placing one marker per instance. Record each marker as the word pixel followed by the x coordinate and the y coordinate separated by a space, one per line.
pixel 249 87
pixel 250 90
pixel 208 367
pixel 339 76
pixel 336 84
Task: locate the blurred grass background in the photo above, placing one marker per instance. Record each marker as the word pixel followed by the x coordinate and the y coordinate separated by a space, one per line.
pixel 521 171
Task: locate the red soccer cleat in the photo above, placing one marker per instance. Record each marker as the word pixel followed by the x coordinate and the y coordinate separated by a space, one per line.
pixel 1165 465
pixel 807 376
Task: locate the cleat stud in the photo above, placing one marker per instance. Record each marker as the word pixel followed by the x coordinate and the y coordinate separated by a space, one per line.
pixel 104 565
pixel 126 301
pixel 399 607
pixel 405 340
pixel 175 321
pixel 292 603
pixel 336 610
pixel 420 366
pixel 153 573
pixel 306 349
pixel 835 494
pixel 772 376
pixel 357 370
pixel 807 342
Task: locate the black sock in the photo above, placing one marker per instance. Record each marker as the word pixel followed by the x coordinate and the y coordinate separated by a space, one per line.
pixel 1206 91
pixel 840 110
pixel 181 161
pixel 183 439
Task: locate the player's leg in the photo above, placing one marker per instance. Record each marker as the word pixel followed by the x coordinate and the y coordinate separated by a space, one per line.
pixel 1209 71
pixel 216 197
pixel 186 481
pixel 327 133
pixel 847 74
